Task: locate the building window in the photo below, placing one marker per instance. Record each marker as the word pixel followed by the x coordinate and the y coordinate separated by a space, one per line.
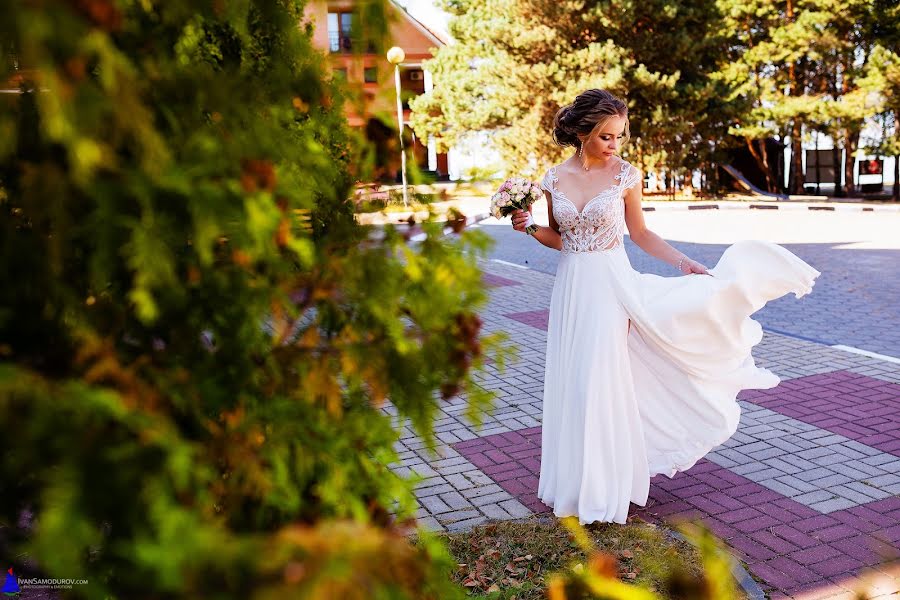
pixel 339 26
pixel 371 75
pixel 340 73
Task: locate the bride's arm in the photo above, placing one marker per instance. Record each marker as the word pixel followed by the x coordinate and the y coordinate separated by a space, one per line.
pixel 650 242
pixel 548 236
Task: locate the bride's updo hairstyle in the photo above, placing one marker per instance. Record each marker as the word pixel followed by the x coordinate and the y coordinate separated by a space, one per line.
pixel 588 113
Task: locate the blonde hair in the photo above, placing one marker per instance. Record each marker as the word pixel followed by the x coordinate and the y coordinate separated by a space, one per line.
pixel 589 112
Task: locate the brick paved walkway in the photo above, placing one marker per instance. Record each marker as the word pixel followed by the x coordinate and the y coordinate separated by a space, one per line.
pixel 806 493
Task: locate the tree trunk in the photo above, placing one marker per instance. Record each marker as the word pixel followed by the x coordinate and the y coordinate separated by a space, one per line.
pixel 796 178
pixel 795 172
pixel 850 144
pixel 762 160
pixel 818 168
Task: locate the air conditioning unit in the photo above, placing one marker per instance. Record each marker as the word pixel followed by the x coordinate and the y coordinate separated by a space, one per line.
pixel 416 75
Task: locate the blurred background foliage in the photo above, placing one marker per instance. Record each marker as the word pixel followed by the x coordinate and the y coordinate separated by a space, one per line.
pixel 196 338
pixel 702 78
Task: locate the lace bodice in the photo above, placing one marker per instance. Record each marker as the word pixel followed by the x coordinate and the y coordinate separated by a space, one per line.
pixel 601 223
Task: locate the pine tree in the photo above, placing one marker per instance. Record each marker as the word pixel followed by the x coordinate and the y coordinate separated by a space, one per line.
pixel 515 63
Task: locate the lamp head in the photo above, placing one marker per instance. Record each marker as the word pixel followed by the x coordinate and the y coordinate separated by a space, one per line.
pixel 396 55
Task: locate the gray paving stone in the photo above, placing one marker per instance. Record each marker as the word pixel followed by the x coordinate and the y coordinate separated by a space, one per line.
pixel 829 506
pixel 893 489
pixel 455 500
pixel 813 453
pixel 494 511
pixel 877 459
pixel 430 482
pixel 873 492
pixel 515 509
pixel 756 446
pixel 452 469
pixel 851 494
pixel 430 524
pixel 490 498
pixel 780 487
pixel 465 434
pixel 483 490
pixel 831 460
pixel 725 462
pixel 803 463
pixel 465 524
pixel 882 481
pixel 771 435
pixel 796 483
pixel 459 481
pixel 783 466
pixel 434 505
pixel 811 498
pixel 458 515
pixel 434 490
pixel 847 451
pixel 893 466
pixel 831 439
pixel 765 474
pixel 831 480
pixel 857 470
pixel 449 462
pixel 767 453
pixel 478 478
pixel 735 456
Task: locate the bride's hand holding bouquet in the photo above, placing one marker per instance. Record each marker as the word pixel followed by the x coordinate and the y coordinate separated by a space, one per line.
pixel 515 194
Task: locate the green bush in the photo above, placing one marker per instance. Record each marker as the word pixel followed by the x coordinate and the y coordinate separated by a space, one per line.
pixel 195 344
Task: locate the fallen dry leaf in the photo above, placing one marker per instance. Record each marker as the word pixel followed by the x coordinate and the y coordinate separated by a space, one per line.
pixel 522 558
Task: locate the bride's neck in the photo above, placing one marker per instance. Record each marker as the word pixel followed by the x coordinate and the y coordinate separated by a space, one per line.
pixel 588 163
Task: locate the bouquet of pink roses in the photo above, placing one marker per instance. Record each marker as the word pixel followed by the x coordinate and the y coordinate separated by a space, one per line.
pixel 516 193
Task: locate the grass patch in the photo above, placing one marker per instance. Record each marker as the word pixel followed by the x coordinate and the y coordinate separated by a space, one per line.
pixel 510 559
pixel 392 201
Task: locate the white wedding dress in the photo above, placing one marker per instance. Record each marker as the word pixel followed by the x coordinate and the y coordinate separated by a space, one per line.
pixel 623 403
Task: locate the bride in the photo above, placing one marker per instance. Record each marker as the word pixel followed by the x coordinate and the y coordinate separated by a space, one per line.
pixel 642 372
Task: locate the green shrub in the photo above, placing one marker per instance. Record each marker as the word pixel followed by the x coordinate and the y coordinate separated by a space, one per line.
pixel 195 347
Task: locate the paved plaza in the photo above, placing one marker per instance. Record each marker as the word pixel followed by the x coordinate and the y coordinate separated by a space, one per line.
pixel 806 493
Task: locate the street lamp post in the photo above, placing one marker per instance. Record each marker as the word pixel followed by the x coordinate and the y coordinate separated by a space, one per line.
pixel 395 56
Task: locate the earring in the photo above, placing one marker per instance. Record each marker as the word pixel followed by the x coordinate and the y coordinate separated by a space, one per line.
pixel 580 150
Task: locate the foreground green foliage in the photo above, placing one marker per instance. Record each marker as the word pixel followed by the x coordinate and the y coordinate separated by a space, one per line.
pixel 196 339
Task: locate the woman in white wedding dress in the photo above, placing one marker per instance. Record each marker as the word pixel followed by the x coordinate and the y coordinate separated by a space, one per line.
pixel 642 372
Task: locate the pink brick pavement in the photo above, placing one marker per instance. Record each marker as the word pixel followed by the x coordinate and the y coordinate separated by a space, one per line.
pixel 858 407
pixel 491 280
pixel 792 548
pixel 789 546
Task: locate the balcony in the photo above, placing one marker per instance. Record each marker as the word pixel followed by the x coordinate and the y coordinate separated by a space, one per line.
pixel 339 43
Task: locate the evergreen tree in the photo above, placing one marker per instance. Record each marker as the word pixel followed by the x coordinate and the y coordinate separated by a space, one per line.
pixel 882 80
pixel 515 63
